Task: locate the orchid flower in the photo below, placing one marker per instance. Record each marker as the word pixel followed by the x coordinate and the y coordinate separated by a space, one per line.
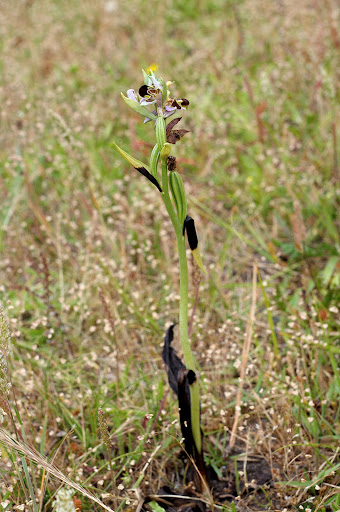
pixel 147 95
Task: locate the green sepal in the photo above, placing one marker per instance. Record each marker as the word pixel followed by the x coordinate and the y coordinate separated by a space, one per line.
pixel 137 107
pixel 139 166
pixel 145 77
pixel 164 90
pixel 178 195
pixel 154 161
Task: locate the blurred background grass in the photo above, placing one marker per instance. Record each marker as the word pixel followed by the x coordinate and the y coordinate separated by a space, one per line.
pixel 88 261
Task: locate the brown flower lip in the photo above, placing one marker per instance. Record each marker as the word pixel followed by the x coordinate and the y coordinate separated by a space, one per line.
pixel 146 90
pixel 174 136
pixel 143 90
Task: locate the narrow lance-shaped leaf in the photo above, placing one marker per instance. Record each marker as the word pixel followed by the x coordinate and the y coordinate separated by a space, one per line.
pixel 173 364
pixel 189 227
pixel 186 378
pixel 178 194
pixel 139 166
pixel 154 161
pixel 137 107
pixel 180 380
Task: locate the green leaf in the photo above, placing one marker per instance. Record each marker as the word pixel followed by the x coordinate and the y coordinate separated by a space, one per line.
pixel 154 161
pixel 317 480
pixel 145 77
pixel 155 507
pixel 139 166
pixel 133 161
pixel 140 109
pixel 178 195
pixel 164 89
pixel 328 271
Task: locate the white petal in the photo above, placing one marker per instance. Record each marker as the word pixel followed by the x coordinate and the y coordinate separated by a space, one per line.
pixel 131 94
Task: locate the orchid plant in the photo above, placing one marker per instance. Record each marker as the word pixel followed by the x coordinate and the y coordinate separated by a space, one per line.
pixel 154 103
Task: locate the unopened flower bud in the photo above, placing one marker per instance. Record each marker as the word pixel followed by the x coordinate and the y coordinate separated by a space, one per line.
pixel 165 152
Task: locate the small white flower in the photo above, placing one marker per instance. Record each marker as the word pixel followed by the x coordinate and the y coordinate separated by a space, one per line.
pixel 63 501
pixel 110 6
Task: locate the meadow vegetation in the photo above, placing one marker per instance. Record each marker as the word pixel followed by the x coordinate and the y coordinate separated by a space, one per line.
pixel 89 269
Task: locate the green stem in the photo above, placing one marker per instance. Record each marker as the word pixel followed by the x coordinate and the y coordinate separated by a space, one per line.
pixel 183 309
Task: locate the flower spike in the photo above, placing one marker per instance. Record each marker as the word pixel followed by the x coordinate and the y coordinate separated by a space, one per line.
pixel 139 166
pixel 155 90
pixel 154 102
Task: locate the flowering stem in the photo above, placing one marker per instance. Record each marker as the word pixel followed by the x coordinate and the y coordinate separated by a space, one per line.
pixel 183 309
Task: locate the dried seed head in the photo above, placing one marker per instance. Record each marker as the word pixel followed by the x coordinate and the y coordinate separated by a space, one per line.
pixel 5 350
pixel 171 163
pixel 104 429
